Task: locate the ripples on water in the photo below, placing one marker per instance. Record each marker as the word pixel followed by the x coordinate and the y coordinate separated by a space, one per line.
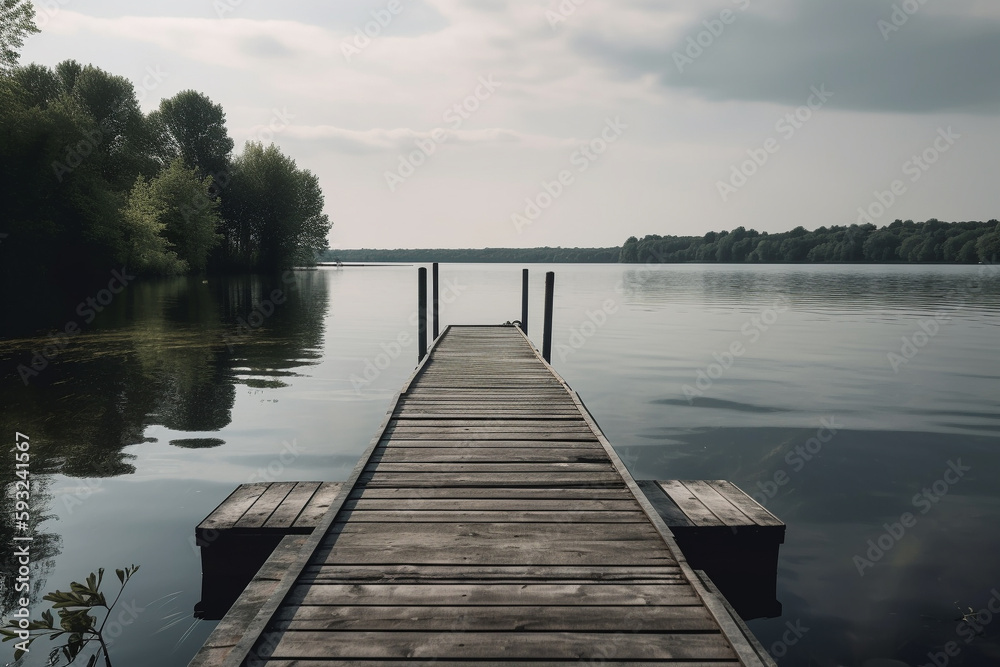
pixel 158 409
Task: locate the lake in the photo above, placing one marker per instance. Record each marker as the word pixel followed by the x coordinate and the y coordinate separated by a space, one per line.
pixel 178 390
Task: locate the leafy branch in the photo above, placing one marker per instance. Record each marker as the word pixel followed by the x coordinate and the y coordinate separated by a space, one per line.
pixel 75 620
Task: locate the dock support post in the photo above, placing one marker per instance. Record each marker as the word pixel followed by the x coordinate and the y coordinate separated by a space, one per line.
pixel 434 299
pixel 421 314
pixel 524 300
pixel 550 284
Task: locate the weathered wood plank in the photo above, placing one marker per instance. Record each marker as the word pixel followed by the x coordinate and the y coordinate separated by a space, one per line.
pixel 511 434
pixel 400 454
pixel 231 628
pixel 233 507
pixel 579 595
pixel 581 553
pixel 491 493
pixel 514 646
pixel 464 442
pixel 474 516
pixel 498 618
pixel 671 514
pixel 292 506
pixel 745 503
pixel 318 504
pixel 493 504
pixel 488 467
pixel 410 573
pixel 692 507
pixel 523 479
pixel 500 531
pixel 268 501
pixel 718 504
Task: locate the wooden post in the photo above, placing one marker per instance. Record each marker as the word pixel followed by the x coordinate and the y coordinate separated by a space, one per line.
pixel 434 298
pixel 550 284
pixel 421 314
pixel 524 300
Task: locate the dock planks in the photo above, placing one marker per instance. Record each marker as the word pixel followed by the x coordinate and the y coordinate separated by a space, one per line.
pixel 490 522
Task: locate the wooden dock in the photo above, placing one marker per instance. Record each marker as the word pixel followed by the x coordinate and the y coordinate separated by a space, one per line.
pixel 489 522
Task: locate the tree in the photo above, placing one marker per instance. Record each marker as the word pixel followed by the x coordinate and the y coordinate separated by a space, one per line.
pixel 189 215
pixel 311 238
pixel 629 254
pixel 194 129
pixel 988 247
pixel 41 85
pixel 143 247
pixel 114 123
pixel 882 246
pixel 272 212
pixel 17 21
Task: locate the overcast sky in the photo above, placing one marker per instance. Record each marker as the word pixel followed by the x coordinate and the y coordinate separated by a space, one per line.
pixel 671 99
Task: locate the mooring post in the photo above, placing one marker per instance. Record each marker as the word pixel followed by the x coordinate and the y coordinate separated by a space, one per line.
pixel 421 314
pixel 524 300
pixel 550 284
pixel 434 298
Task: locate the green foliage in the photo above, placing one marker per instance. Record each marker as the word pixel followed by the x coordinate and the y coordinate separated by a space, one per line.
pixel 503 255
pixel 143 245
pixel 988 247
pixel 17 21
pixel 930 241
pixel 90 183
pixel 187 212
pixel 193 128
pixel 75 619
pixel 272 212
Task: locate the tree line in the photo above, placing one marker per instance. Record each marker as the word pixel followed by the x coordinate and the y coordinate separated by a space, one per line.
pixel 89 182
pixel 930 241
pixel 900 241
pixel 486 255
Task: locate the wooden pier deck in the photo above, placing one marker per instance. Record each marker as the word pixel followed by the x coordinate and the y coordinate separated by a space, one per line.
pixel 488 522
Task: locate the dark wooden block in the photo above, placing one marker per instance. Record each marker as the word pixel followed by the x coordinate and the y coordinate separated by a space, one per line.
pixel 726 533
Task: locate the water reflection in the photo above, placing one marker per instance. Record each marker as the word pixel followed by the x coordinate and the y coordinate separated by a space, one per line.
pixel 168 352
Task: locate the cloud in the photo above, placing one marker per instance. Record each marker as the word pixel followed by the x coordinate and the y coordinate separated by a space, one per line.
pixel 936 61
pixel 263 46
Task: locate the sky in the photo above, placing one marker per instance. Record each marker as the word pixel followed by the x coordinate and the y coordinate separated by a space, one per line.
pixel 495 123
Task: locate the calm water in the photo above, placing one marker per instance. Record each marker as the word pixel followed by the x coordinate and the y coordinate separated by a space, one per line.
pixel 162 404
